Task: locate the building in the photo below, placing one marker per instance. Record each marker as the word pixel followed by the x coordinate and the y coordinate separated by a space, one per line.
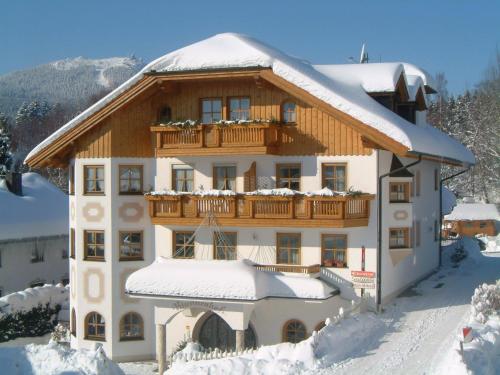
pixel 470 219
pixel 262 177
pixel 33 233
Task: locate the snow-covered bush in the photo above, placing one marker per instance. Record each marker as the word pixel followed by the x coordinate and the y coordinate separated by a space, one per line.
pixel 485 302
pixel 60 334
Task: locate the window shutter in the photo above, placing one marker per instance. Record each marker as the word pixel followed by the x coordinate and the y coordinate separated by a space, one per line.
pixel 250 178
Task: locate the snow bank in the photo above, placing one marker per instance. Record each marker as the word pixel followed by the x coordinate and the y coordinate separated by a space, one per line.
pixel 41 211
pixel 331 344
pixel 55 359
pixel 32 297
pixel 220 279
pixel 481 355
pixel 239 51
pixel 474 211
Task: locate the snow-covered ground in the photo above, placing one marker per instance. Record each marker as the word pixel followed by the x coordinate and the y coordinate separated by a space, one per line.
pixel 416 334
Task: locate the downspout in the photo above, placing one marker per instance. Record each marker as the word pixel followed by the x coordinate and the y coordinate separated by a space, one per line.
pixel 441 209
pixel 379 229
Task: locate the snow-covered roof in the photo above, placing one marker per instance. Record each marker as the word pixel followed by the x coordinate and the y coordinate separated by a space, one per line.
pixel 414 70
pixel 41 211
pixel 233 51
pixel 449 200
pixel 473 211
pixel 220 279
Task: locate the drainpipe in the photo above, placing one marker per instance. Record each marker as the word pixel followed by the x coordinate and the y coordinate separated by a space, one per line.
pixel 441 208
pixel 379 230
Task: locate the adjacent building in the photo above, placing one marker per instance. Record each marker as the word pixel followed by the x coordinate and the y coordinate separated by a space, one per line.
pixel 239 196
pixel 33 233
pixel 470 219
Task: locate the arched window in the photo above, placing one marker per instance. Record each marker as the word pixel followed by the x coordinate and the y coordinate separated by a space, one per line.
pixel 289 112
pixel 95 327
pixel 165 115
pixel 216 333
pixel 294 331
pixel 131 327
pixel 72 323
pixel 319 326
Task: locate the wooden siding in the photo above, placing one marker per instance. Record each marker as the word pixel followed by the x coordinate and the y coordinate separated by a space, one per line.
pixel 126 133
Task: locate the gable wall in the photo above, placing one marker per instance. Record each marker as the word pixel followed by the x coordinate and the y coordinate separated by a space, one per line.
pixel 126 133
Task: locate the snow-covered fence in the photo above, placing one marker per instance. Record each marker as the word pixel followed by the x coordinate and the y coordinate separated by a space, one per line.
pixel 206 355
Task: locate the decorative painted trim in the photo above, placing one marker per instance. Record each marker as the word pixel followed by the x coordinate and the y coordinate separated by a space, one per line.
pixel 72 282
pixel 400 215
pixel 93 211
pixel 131 212
pixel 86 287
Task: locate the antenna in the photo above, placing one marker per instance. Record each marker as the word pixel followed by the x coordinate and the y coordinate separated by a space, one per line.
pixel 363 57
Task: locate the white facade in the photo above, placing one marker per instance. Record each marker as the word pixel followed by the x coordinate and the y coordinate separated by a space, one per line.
pixel 20 268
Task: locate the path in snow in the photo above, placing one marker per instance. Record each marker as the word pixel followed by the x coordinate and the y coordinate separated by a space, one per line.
pixel 419 329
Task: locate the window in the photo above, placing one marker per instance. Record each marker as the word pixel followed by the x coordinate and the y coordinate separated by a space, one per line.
pixel 37 254
pixel 289 113
pixel 239 108
pixel 94 245
pixel 131 246
pixel 183 244
pixel 294 331
pixel 334 250
pixel 1 291
pixel 131 327
pixel 407 111
pixel 211 111
pixel 288 248
pixel 37 282
pixel 72 243
pixel 399 192
pixel 482 225
pixel 182 178
pixel 320 326
pixel 71 180
pixel 225 177
pixel 165 115
pixel 436 230
pixel 288 176
pixel 436 179
pixel 72 322
pixel 93 179
pixel 334 176
pixel 64 253
pixel 399 238
pixel 0 258
pixel 95 327
pixel 225 245
pixel 130 179
pixel 65 280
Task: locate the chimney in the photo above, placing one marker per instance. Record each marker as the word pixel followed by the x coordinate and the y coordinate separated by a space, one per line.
pixel 15 182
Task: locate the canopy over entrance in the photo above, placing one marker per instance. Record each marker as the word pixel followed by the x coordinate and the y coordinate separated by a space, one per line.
pixel 221 280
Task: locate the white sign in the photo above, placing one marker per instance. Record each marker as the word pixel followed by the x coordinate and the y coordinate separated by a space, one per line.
pixel 363 279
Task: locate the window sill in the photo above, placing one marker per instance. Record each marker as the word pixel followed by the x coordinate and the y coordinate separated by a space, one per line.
pixel 90 259
pixel 399 202
pixel 131 259
pixel 131 193
pixel 132 338
pixel 94 194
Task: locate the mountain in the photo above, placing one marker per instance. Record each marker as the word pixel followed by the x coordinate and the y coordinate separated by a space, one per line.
pixel 68 82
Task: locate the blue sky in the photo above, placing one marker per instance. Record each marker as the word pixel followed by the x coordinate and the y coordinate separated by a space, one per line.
pixel 453 36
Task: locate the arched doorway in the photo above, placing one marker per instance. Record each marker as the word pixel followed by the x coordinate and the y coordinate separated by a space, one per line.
pixel 216 333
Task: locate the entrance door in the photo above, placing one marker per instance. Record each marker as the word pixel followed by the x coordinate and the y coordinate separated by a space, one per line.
pixel 216 333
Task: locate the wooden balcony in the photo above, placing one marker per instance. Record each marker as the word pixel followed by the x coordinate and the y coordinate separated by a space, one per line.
pixel 250 139
pixel 307 270
pixel 261 211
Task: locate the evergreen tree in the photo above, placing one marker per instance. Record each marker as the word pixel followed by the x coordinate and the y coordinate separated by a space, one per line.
pixel 5 145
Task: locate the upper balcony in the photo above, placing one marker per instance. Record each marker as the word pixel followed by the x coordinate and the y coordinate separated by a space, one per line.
pixel 216 139
pixel 239 209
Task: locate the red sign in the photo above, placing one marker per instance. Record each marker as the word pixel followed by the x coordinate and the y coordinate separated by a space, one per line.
pixel 362 274
pixel 467 332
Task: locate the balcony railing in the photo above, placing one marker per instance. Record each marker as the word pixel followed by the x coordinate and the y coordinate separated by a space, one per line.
pixel 315 268
pixel 255 210
pixel 255 138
